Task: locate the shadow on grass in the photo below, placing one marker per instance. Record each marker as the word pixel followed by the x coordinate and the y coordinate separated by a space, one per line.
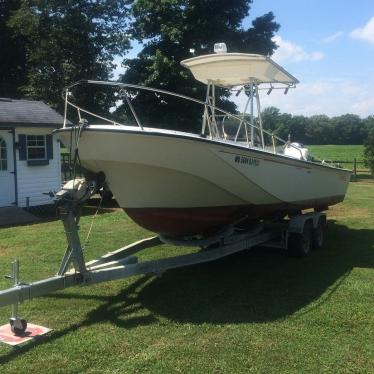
pixel 118 309
pixel 48 213
pixel 262 285
pixel 364 177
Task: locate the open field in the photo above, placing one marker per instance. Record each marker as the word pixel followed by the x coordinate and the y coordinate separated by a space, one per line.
pixel 338 152
pixel 258 311
pixel 342 153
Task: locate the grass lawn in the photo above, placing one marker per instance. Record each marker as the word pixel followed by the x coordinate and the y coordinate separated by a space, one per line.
pixel 258 311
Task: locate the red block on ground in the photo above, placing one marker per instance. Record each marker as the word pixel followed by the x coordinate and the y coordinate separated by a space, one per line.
pixel 32 331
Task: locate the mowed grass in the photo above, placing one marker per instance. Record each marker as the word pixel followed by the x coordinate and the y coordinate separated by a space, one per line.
pixel 257 311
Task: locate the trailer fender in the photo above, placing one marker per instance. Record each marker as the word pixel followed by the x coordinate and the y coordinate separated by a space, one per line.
pixel 297 223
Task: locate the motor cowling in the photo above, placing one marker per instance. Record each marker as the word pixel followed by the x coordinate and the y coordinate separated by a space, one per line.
pixel 296 150
pixel 77 190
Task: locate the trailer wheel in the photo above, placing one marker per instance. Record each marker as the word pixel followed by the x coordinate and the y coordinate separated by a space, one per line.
pixel 319 233
pixel 18 326
pixel 300 245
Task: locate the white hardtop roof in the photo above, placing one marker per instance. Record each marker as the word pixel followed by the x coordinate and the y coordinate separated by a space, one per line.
pixel 237 69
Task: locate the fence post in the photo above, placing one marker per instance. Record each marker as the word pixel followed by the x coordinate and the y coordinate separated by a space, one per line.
pixel 355 169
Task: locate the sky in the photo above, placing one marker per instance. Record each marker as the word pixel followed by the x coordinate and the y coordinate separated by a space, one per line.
pixel 328 45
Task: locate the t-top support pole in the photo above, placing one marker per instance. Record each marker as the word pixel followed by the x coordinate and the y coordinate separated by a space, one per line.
pixel 252 115
pixel 259 116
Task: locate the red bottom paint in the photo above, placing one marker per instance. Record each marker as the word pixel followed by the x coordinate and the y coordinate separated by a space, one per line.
pixel 178 222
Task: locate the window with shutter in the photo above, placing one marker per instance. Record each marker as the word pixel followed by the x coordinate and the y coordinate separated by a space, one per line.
pixel 37 150
pixel 36 147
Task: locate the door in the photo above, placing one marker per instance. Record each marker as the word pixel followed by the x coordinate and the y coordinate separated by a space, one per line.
pixel 7 186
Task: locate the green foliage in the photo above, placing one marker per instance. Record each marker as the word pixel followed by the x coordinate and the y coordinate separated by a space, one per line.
pixel 13 54
pixel 318 129
pixel 64 41
pixel 369 151
pixel 168 30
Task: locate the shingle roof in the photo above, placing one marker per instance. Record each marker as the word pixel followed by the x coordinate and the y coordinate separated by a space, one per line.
pixel 28 113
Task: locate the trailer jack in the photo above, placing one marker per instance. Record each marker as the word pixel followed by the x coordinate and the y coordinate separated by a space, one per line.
pixel 17 325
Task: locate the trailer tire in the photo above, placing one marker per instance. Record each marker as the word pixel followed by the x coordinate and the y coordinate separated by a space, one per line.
pixel 300 244
pixel 319 233
pixel 18 326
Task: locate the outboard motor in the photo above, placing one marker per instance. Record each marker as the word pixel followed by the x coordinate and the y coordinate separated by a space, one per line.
pixel 78 190
pixel 296 150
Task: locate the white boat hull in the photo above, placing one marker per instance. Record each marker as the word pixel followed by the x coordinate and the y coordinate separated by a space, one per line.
pixel 181 184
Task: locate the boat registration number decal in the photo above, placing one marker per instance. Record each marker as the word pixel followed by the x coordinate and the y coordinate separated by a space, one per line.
pixel 246 160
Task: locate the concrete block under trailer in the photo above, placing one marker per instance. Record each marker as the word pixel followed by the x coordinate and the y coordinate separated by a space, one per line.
pixel 299 235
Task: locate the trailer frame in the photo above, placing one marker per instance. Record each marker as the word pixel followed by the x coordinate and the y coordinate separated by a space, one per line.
pixel 122 263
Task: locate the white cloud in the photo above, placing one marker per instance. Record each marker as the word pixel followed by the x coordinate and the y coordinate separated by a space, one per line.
pixel 364 106
pixel 330 97
pixel 365 33
pixel 316 56
pixel 288 51
pixel 333 37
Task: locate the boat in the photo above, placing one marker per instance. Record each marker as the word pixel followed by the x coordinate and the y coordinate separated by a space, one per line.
pixel 181 184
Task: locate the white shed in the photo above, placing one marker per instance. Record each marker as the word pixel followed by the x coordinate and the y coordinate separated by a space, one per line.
pixel 30 164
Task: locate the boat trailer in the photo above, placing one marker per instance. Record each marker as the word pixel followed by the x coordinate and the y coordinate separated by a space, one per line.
pixel 122 263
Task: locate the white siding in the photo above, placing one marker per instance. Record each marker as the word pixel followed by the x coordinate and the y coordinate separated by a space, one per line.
pixel 33 181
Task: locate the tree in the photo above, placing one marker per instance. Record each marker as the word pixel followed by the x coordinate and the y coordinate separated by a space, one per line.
pixel 369 150
pixel 369 123
pixel 319 130
pixel 169 29
pixel 13 56
pixel 270 118
pixel 348 129
pixel 65 41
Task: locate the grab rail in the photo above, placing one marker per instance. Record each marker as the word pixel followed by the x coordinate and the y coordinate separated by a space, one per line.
pixel 206 104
